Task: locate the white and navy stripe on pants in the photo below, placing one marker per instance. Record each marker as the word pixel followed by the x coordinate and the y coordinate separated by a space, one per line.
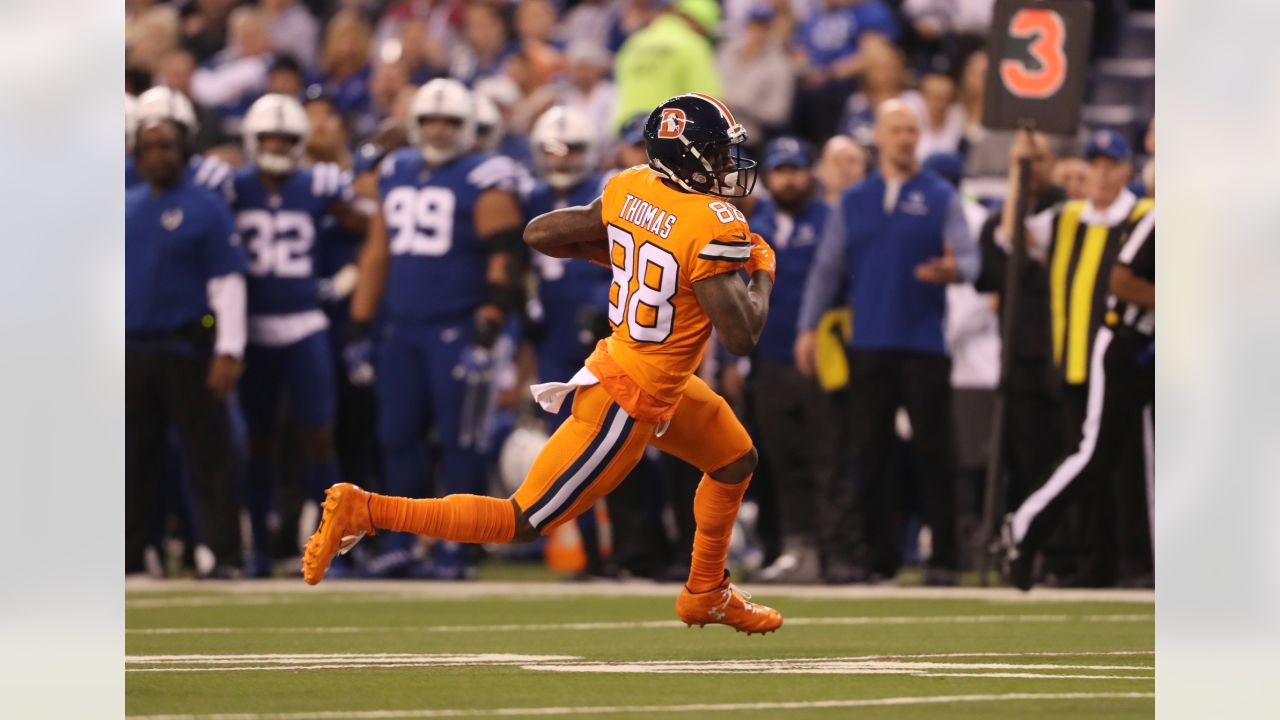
pixel 570 484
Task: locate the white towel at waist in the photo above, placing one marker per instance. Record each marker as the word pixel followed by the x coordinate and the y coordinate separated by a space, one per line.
pixel 551 395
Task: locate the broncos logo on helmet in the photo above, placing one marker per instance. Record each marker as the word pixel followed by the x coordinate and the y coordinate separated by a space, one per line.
pixel 672 123
pixel 694 141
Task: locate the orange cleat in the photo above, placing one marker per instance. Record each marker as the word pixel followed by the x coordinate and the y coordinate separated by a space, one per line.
pixel 726 605
pixel 346 519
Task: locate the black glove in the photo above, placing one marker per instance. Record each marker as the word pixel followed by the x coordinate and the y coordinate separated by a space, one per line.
pixel 486 331
pixel 357 354
pixel 593 325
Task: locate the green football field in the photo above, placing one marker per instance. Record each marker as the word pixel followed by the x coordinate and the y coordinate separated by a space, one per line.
pixel 279 649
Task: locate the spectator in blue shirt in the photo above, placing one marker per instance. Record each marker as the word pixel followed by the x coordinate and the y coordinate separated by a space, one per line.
pixel 344 61
pixel 487 44
pixel 237 75
pixel 831 36
pixel 184 337
pixel 898 238
pixel 827 49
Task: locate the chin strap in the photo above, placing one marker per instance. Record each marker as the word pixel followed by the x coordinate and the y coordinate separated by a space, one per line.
pixel 670 175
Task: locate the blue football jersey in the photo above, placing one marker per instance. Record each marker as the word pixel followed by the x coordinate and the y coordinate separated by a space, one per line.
pixel 279 229
pixel 438 265
pixel 794 240
pixel 566 288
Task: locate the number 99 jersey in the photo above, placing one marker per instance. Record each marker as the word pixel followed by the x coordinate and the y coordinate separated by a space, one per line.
pixel 438 265
pixel 661 241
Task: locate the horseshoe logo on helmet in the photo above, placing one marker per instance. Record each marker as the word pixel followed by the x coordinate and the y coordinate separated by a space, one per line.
pixel 672 123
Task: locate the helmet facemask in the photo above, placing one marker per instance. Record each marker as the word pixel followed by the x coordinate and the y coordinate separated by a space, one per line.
pixel 273 161
pixel 564 164
pixel 733 174
pixel 714 169
pixel 437 155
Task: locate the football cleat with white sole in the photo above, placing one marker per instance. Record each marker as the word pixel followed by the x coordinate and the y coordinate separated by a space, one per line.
pixel 345 520
pixel 726 605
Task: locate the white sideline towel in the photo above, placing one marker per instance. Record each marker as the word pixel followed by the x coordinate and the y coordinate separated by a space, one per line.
pixel 551 395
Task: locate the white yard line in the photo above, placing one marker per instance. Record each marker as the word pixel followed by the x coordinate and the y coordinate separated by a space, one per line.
pixel 472 658
pixel 678 666
pixel 328 666
pixel 862 667
pixel 642 624
pixel 915 665
pixel 486 657
pixel 654 709
pixel 267 592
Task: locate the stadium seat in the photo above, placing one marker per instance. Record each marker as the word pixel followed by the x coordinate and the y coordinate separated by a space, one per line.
pixel 1139 36
pixel 1124 119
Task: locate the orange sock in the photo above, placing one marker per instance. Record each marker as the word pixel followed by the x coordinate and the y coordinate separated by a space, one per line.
pixel 715 507
pixel 459 518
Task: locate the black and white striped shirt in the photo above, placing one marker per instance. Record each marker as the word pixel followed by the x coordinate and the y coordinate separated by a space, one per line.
pixel 1139 255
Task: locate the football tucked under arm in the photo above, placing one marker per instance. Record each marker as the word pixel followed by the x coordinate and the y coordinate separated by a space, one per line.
pixel 573 232
pixel 596 251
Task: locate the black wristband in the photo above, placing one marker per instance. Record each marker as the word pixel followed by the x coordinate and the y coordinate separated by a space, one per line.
pixel 358 330
pixel 507 298
pixel 509 240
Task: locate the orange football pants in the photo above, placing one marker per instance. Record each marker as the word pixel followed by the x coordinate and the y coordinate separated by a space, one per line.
pixel 595 449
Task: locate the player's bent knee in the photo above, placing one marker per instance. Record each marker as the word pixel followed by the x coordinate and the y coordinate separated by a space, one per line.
pixel 738 470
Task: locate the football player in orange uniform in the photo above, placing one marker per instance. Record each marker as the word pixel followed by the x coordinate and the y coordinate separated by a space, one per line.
pixel 676 246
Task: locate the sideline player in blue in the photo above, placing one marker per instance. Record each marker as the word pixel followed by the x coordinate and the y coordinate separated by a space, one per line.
pixel 278 207
pixel 572 294
pixel 184 338
pixel 569 315
pixel 165 104
pixel 445 250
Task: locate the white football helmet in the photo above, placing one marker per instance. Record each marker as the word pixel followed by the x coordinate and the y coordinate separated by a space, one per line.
pixel 280 114
pixel 558 132
pixel 489 129
pixel 130 121
pixel 443 98
pixel 162 103
pixel 518 452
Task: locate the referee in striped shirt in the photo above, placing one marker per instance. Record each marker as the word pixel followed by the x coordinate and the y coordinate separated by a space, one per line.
pixel 1121 388
pixel 1077 243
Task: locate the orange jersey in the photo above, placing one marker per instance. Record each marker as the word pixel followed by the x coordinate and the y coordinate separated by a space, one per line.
pixel 661 241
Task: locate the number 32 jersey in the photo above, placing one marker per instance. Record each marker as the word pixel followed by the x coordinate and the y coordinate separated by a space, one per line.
pixel 438 265
pixel 661 241
pixel 279 231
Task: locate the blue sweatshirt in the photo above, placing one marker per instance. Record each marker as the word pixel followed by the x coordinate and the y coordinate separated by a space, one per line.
pixel 878 251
